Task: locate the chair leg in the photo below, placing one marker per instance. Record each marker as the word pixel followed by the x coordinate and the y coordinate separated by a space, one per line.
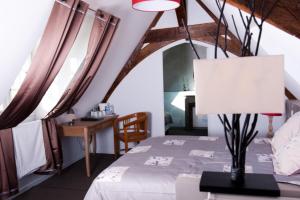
pixel 116 146
pixel 126 146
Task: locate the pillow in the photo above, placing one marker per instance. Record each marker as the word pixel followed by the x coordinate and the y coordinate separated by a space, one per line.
pixel 287 159
pixel 286 132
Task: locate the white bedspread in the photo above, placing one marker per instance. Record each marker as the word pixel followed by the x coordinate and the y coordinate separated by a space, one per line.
pixel 29 147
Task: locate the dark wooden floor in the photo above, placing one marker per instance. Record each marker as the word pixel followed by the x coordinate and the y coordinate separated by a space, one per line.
pixel 71 184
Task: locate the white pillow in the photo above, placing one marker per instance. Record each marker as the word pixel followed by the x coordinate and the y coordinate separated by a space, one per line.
pixel 286 132
pixel 287 159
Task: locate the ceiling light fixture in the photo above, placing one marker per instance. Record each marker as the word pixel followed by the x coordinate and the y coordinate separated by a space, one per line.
pixel 155 5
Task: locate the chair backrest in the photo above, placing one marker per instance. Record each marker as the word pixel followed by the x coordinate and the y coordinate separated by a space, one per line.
pixel 136 122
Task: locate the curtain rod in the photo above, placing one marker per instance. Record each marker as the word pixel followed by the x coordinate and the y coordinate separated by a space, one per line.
pixel 90 9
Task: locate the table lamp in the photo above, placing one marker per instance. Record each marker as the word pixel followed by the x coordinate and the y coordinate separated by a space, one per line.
pixel 270 117
pixel 239 86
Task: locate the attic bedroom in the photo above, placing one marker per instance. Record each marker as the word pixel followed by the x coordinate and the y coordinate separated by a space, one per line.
pixel 150 99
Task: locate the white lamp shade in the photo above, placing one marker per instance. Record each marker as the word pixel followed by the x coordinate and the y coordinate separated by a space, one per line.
pixel 239 85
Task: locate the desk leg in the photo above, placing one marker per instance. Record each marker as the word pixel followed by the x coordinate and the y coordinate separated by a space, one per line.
pixel 94 143
pixel 87 152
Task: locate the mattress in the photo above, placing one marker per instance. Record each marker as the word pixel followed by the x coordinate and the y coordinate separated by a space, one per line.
pixel 149 171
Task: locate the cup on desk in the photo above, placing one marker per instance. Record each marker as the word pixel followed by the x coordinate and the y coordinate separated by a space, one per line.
pixel 97 114
pixel 94 114
pixel 100 114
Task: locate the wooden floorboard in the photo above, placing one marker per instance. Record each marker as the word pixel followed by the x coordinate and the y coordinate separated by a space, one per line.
pixel 71 184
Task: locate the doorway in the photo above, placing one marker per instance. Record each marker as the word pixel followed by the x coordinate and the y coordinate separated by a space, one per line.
pixel 179 91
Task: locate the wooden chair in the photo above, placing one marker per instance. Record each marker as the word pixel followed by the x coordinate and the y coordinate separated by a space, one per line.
pixel 131 128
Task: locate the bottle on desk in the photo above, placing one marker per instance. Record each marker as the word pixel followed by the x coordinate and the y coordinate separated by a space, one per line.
pixel 109 109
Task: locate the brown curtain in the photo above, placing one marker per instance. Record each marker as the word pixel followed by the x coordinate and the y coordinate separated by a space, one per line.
pixel 102 32
pixel 59 35
pixel 8 172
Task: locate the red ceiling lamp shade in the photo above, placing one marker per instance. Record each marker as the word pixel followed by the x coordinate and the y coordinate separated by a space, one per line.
pixel 155 5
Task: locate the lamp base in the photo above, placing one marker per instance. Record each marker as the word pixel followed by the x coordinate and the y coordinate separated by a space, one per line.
pixel 254 184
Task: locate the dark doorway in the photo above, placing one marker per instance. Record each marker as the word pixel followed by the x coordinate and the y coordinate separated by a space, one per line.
pixel 179 95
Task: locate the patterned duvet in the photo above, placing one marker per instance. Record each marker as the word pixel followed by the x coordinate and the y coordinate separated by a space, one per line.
pixel 149 171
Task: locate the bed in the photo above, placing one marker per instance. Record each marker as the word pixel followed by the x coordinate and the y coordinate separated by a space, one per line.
pixel 149 171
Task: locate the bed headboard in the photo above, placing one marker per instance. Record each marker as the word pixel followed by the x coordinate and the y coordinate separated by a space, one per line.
pixel 291 107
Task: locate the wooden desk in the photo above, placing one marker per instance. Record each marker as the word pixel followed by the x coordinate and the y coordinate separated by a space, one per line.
pixel 87 130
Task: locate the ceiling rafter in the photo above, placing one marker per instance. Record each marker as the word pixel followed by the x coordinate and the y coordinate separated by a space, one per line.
pixel 181 14
pixel 134 55
pixel 208 11
pixel 234 39
pixel 169 36
pixel 289 95
pixel 285 16
pixel 177 33
pixel 159 38
pixel 143 53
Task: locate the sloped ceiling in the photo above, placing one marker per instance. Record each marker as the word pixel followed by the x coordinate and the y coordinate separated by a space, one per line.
pixel 274 41
pixel 195 15
pixel 131 28
pixel 21 17
pixel 110 67
pixel 285 15
pixel 19 32
pixel 24 22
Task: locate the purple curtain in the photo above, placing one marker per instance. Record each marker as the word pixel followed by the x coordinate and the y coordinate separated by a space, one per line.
pixel 8 174
pixel 60 33
pixel 103 29
pixel 101 35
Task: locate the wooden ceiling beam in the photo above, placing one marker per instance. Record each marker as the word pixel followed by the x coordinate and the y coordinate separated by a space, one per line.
pixel 208 11
pixel 285 15
pixel 149 49
pixel 128 66
pixel 201 32
pixel 289 94
pixel 132 63
pixel 181 14
pixel 232 37
pixel 160 38
pixel 177 33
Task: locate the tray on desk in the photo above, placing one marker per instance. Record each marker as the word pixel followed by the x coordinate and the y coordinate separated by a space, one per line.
pixel 91 119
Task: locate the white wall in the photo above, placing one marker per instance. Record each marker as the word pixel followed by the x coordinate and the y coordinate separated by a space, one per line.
pixel 141 90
